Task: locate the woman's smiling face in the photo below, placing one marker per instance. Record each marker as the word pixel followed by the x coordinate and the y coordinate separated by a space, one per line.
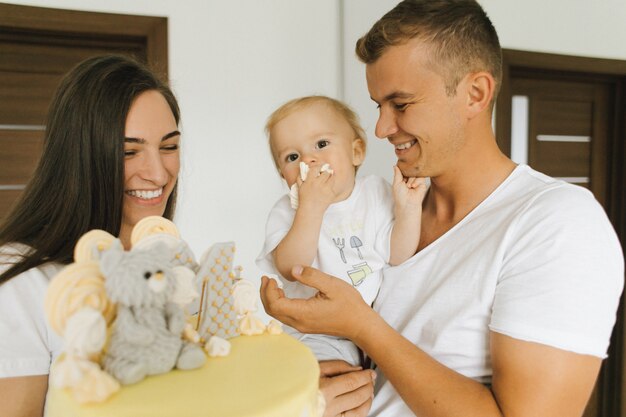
pixel 152 159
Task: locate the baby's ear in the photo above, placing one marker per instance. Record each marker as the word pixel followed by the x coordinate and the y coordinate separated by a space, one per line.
pixel 358 151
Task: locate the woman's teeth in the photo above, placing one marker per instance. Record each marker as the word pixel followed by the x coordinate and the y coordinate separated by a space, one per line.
pixel 406 145
pixel 146 195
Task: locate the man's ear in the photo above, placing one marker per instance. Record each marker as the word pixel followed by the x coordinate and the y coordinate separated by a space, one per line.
pixel 358 151
pixel 481 88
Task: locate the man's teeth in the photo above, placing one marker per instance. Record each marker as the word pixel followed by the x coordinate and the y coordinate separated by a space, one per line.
pixel 146 195
pixel 405 145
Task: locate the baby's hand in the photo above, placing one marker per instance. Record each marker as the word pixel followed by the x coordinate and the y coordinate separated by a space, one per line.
pixel 408 193
pixel 318 191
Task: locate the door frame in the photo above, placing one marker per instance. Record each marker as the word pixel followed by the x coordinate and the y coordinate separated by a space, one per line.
pixel 611 383
pixel 143 37
pixel 151 30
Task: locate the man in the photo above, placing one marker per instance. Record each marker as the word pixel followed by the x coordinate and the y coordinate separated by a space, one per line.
pixel 508 306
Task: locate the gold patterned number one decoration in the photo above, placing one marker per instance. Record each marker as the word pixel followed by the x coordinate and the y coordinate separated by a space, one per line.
pixel 216 314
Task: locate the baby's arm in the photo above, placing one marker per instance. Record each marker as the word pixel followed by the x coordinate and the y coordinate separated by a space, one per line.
pixel 408 197
pixel 299 246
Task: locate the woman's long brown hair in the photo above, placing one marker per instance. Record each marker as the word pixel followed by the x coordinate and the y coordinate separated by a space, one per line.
pixel 78 184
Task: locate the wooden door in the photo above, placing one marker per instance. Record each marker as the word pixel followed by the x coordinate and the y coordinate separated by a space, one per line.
pixel 39 45
pixel 569 124
pixel 565 116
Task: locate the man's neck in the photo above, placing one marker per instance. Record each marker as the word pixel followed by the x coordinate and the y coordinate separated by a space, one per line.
pixel 454 194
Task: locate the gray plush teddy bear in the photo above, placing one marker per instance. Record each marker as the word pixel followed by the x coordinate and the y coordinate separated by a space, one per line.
pixel 146 335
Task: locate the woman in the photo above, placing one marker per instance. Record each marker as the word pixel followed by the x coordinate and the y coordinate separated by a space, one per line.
pixel 110 158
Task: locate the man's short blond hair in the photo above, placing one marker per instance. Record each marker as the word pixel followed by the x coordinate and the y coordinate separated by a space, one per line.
pixel 459 34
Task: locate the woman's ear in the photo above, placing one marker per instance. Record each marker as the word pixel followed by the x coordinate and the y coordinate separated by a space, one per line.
pixel 358 151
pixel 481 87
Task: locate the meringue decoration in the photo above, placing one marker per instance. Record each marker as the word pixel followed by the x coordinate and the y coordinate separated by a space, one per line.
pixel 251 325
pixel 85 333
pixel 245 296
pixel 185 290
pixel 274 327
pixel 216 346
pixel 91 245
pixel 84 378
pixel 74 287
pixel 190 334
pixel 152 225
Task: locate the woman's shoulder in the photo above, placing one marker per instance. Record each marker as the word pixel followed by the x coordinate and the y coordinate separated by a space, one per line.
pixel 14 252
pixel 29 343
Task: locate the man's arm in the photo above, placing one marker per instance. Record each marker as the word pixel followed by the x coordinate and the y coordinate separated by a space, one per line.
pixel 23 396
pixel 531 379
pixel 528 379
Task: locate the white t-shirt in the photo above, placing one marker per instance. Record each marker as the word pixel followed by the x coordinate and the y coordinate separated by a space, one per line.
pixel 537 260
pixel 354 238
pixel 27 344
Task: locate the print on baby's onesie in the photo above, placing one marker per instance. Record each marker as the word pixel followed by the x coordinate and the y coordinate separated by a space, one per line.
pixel 359 271
pixel 358 274
pixel 346 227
pixel 355 243
pixel 340 243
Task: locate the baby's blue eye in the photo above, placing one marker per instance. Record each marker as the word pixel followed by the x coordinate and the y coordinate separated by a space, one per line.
pixel 322 143
pixel 291 157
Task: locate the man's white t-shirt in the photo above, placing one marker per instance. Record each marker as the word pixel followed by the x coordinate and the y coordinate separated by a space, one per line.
pixel 537 260
pixel 27 343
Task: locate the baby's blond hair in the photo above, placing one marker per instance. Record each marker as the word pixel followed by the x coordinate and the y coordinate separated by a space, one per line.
pixel 299 103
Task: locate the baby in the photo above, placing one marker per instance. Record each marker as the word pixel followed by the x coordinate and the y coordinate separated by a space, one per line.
pixel 345 226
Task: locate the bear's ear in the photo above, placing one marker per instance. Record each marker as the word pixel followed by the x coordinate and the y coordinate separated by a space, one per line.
pixel 111 257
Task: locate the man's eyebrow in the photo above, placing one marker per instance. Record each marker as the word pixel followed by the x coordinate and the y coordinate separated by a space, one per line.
pixel 141 140
pixel 395 95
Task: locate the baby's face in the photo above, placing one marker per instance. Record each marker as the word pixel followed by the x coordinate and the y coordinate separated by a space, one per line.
pixel 317 135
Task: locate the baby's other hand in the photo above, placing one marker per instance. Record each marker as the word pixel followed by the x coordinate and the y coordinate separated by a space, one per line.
pixel 408 193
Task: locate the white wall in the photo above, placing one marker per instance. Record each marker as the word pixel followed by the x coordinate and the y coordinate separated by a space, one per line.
pixel 233 62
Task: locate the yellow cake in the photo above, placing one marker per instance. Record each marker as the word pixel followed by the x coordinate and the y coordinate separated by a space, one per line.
pixel 263 376
pixel 251 370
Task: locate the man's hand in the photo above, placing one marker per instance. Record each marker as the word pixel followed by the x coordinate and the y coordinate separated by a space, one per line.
pixel 346 389
pixel 337 309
